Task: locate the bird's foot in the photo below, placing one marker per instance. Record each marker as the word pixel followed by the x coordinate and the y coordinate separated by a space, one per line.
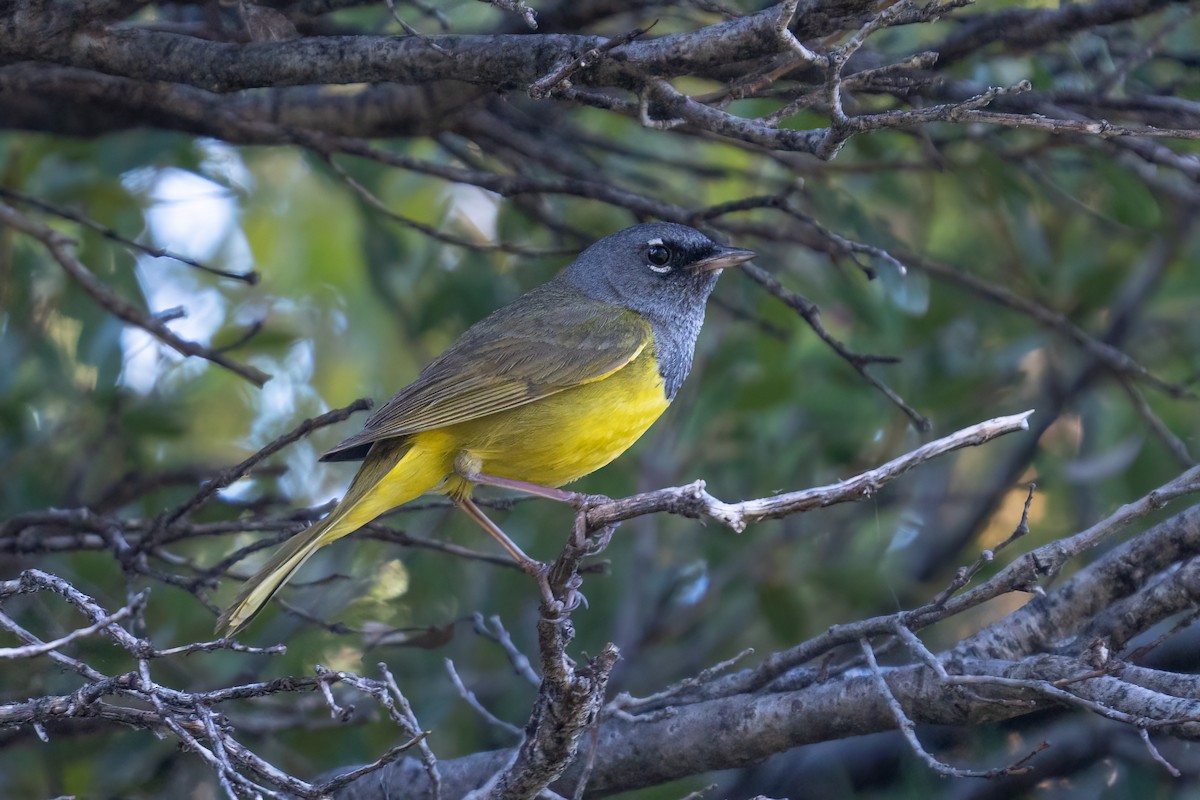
pixel 584 503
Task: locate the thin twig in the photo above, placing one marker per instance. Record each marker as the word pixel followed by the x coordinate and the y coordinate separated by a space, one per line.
pixel 498 634
pixel 518 7
pixel 621 704
pixel 812 315
pixel 469 697
pixel 1157 756
pixel 30 650
pixel 373 201
pixel 251 277
pixel 909 731
pixel 239 471
pixel 548 84
pixel 62 249
pixel 693 501
pixel 964 574
pixel 427 756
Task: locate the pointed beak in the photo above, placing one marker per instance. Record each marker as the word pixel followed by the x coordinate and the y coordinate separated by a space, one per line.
pixel 724 258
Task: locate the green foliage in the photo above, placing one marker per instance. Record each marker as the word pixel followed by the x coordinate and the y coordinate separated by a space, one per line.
pixel 354 303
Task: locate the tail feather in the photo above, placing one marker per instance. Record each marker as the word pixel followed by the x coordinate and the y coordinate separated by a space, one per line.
pixel 290 556
pixel 393 474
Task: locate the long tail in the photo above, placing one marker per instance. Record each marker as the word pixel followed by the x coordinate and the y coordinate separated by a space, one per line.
pixel 392 474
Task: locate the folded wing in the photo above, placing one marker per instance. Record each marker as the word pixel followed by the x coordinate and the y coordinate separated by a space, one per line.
pixel 549 340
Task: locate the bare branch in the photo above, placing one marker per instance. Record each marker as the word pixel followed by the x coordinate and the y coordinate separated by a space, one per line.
pixel 498 634
pixel 558 79
pixel 812 315
pixel 427 230
pixel 108 233
pixel 1157 756
pixel 30 650
pixel 469 697
pixel 518 7
pixel 235 473
pixel 694 501
pixel 62 249
pixel 964 574
pixel 910 733
pixel 741 127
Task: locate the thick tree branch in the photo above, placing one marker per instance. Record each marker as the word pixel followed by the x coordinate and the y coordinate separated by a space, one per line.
pixel 739 730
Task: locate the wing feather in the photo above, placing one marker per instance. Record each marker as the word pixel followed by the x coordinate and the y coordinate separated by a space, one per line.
pixel 518 355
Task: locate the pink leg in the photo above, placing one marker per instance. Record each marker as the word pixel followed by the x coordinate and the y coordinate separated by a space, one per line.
pixel 535 568
pixel 570 498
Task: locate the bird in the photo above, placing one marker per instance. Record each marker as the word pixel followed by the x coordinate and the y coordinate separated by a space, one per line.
pixel 543 391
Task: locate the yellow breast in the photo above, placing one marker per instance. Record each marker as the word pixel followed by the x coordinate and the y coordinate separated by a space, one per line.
pixel 565 436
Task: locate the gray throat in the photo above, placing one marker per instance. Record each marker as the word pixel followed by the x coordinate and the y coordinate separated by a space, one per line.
pixel 674 345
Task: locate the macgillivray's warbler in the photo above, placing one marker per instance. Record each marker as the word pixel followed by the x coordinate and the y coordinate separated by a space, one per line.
pixel 543 391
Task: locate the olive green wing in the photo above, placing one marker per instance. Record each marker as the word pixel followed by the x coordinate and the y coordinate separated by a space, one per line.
pixel 548 340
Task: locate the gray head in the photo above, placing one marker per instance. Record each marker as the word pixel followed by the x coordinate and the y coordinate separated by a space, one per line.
pixel 659 269
pixel 663 271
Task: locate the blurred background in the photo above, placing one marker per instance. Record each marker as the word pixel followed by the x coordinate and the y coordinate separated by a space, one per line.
pixel 352 303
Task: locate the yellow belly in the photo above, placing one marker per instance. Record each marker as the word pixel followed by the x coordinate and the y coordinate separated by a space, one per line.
pixel 559 438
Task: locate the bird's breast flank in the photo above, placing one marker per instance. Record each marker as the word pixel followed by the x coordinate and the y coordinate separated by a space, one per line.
pixel 569 434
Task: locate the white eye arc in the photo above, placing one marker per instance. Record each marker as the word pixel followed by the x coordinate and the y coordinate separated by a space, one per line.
pixel 658 256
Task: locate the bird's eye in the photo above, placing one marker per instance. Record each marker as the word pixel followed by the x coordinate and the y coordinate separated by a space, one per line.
pixel 659 257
